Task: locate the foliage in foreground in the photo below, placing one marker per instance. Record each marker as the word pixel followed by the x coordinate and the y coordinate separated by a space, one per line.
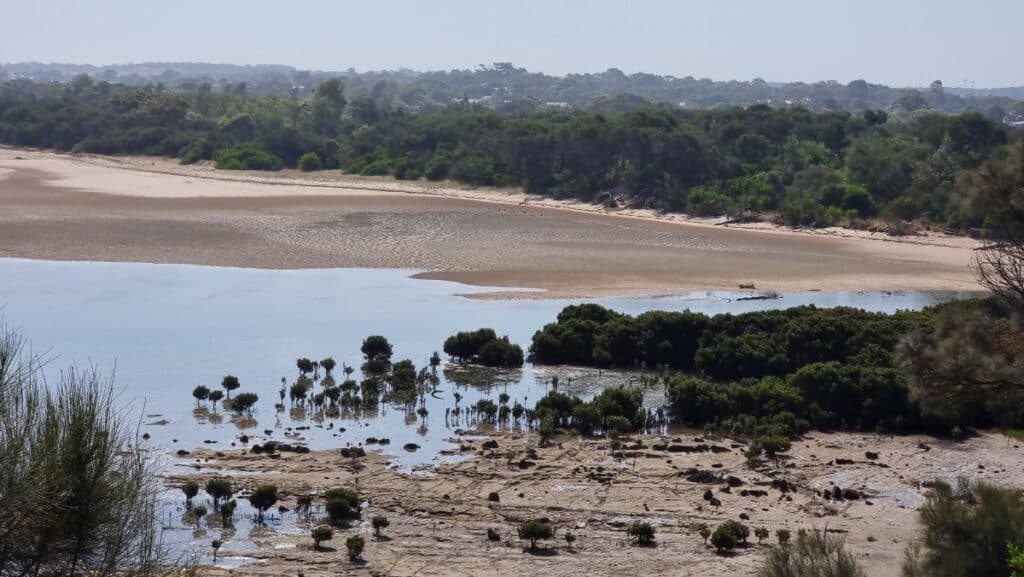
pixel 965 530
pixel 75 497
pixel 814 554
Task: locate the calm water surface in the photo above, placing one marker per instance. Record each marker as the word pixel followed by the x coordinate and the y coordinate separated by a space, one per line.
pixel 163 329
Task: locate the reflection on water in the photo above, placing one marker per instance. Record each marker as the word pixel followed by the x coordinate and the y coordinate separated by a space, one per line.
pixel 166 328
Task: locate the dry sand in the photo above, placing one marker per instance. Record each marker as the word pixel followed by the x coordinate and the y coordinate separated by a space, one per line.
pixel 440 517
pixel 152 210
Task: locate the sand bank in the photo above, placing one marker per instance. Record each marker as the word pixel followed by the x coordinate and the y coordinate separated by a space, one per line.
pixel 153 210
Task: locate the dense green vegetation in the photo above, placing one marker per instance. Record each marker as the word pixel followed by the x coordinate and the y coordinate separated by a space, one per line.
pixel 809 168
pixel 773 373
pixel 484 347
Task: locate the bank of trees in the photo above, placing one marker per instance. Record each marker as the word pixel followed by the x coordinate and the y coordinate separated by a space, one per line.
pixel 809 168
pixel 778 373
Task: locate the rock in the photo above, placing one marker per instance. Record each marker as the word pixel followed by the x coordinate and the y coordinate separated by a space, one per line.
pixel 371 440
pixel 700 476
pixel 782 485
pixel 871 455
pixel 183 452
pixel 384 441
pixel 257 449
pixel 411 447
pixel 715 502
pixel 708 495
pixel 244 439
pixel 844 461
pixel 733 481
pixel 493 497
pixel 851 494
pixel 524 464
pixel 301 449
pixel 493 535
pixel 145 436
pixel 492 444
pixel 753 493
pixel 744 516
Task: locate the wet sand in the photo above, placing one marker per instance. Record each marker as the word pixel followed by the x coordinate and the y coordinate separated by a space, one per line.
pixel 440 517
pixel 151 210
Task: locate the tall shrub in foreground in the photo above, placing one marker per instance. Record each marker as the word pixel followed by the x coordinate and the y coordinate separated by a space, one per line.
pixel 75 497
pixel 814 554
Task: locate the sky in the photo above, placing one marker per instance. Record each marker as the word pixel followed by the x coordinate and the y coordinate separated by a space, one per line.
pixel 895 42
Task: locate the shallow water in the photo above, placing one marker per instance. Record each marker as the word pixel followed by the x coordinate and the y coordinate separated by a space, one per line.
pixel 163 329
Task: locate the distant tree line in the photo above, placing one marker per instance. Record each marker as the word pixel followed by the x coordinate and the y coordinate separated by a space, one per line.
pixel 809 168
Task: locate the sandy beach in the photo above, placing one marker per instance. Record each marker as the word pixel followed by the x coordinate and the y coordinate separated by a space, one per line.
pixel 440 517
pixel 66 207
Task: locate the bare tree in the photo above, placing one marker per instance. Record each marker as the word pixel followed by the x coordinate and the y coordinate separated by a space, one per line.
pixel 998 187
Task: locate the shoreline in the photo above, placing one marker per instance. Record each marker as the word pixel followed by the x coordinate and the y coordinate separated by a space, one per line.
pixel 71 207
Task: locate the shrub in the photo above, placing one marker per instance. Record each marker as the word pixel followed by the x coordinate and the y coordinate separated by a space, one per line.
pixel 641 531
pixel 244 402
pixel 379 522
pixel 814 554
pixel 320 534
pixel 342 504
pixel 483 346
pixel 355 545
pixel 964 531
pixel 761 533
pixel 723 539
pixel 535 530
pixel 729 534
pixel 227 512
pixel 262 498
pixel 215 396
pixel 782 535
pixel 246 158
pixel 309 162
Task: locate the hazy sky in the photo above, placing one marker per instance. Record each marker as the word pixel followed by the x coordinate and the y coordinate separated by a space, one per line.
pixel 898 42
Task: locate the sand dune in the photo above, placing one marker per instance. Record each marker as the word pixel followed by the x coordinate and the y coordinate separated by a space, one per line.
pixel 153 210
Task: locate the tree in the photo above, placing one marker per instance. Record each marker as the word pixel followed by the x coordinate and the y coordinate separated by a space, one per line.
pixel 191 489
pixel 230 383
pixel 328 365
pixel 535 530
pixel 201 393
pixel 379 522
pixel 320 534
pixel 244 402
pixel 262 498
pixel 305 366
pixel 814 554
pixel 355 545
pixel 215 396
pixel 218 489
pixel 998 186
pixel 761 533
pixel 216 544
pixel 641 531
pixel 227 512
pixel 376 346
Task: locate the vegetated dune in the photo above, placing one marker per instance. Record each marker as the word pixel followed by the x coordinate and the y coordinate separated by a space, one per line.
pixel 152 210
pixel 440 516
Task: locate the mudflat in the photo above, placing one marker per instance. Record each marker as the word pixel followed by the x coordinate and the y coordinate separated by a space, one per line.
pixel 68 207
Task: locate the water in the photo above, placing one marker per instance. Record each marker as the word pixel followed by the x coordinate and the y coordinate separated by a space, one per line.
pixel 163 329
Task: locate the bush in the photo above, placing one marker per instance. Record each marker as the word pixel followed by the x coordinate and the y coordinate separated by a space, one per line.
pixel 535 530
pixel 246 158
pixel 355 545
pixel 375 346
pixel 728 535
pixel 641 531
pixel 483 346
pixel 320 534
pixel 815 554
pixel 201 393
pixel 964 531
pixel 309 162
pixel 379 522
pixel 342 504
